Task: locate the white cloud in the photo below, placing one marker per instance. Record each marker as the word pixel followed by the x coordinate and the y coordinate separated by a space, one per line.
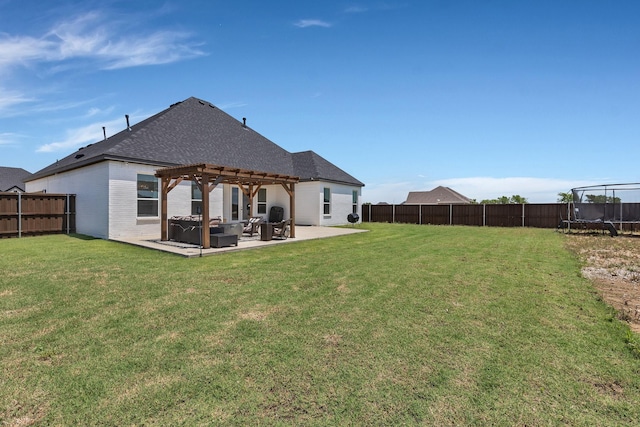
pixel 84 37
pixel 355 9
pixel 22 50
pixel 93 111
pixel 389 192
pixel 159 48
pixel 304 23
pixel 58 105
pixel 7 138
pixel 535 190
pixel 77 37
pixel 75 138
pixel 10 98
pixel 230 105
pixel 82 136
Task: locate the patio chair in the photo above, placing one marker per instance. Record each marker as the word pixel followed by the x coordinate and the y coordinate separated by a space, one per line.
pixel 281 229
pixel 253 225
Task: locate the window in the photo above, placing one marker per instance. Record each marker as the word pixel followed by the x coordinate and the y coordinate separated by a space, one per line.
pixel 196 199
pixel 327 201
pixel 147 195
pixel 354 201
pixel 235 207
pixel 262 201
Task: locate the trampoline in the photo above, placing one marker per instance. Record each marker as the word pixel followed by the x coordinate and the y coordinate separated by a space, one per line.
pixel 609 207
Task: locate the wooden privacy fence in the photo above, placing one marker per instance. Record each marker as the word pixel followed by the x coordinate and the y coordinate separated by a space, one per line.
pixel 28 214
pixel 511 215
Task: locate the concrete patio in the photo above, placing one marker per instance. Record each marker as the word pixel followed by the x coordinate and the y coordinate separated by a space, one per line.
pixel 188 250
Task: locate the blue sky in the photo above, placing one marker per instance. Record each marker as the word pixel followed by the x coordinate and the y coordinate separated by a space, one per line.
pixel 490 98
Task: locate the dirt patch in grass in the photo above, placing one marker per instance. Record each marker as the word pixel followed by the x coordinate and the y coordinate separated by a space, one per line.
pixel 613 265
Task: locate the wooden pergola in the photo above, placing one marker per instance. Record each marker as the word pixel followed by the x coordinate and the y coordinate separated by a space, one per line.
pixel 208 176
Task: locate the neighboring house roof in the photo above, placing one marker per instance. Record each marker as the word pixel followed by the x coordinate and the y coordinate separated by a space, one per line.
pixel 439 195
pixel 309 166
pixel 189 132
pixel 13 178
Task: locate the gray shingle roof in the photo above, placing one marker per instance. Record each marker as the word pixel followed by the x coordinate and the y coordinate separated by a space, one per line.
pixel 309 166
pixel 439 195
pixel 195 131
pixel 188 132
pixel 12 178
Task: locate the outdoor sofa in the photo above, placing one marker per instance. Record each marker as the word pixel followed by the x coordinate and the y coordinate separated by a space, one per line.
pixel 187 229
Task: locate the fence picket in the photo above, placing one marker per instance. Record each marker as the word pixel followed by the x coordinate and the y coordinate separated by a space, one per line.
pixel 547 215
pixel 24 214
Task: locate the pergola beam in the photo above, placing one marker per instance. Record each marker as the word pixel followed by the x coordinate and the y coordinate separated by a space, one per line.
pixel 203 173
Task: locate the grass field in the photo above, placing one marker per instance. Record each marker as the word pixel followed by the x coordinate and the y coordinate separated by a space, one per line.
pixel 404 324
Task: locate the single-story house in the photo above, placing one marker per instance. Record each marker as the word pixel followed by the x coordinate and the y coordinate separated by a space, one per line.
pixel 119 193
pixel 12 179
pixel 438 196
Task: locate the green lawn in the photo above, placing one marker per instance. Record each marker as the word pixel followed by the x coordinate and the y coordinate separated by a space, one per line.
pixel 404 324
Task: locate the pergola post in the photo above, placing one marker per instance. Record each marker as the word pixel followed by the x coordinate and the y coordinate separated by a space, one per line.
pixel 165 187
pixel 164 224
pixel 291 190
pixel 292 207
pixel 204 190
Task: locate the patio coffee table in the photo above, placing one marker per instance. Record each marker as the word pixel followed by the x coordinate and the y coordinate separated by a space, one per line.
pixel 220 240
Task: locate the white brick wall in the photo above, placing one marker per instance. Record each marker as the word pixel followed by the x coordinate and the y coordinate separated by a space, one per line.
pixel 123 206
pixel 308 208
pixel 310 203
pixel 90 185
pixel 106 200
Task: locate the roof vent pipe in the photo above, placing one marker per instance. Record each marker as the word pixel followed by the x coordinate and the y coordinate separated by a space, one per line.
pixel 244 122
pixel 126 116
pixel 104 132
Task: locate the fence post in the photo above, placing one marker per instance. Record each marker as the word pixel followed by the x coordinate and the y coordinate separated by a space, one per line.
pixel 523 214
pixel 19 215
pixel 66 211
pixel 393 214
pixel 484 215
pixel 450 214
pixel 420 215
pixel 370 212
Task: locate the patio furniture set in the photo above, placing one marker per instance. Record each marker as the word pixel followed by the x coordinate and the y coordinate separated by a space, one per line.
pixel 187 229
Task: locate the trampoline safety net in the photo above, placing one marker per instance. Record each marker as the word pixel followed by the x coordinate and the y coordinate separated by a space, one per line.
pixel 617 203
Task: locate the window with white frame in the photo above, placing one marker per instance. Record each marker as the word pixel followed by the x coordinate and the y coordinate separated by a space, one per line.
pixel 327 201
pixel 147 186
pixel 354 201
pixel 196 199
pixel 262 201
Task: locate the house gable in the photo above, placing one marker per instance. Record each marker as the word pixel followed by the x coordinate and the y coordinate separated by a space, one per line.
pixel 437 196
pixel 12 179
pixel 309 166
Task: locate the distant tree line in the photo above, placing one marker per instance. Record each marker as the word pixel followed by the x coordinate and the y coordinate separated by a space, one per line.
pixel 562 198
pixel 590 198
pixel 504 200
